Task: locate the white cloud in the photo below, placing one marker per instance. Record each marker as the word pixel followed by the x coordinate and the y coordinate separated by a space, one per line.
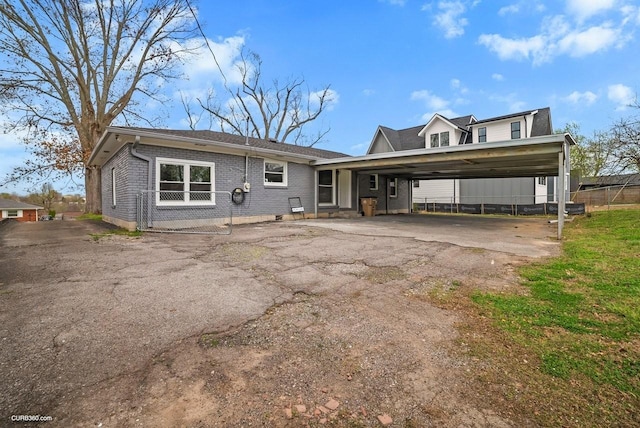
pixel 631 15
pixel 592 40
pixel 517 49
pixel 584 9
pixel 458 86
pixel 433 103
pixel 331 99
pixel 557 37
pixel 449 18
pixel 497 77
pixel 576 97
pixel 368 92
pixel 394 2
pixel 512 8
pixel 511 100
pixel 622 95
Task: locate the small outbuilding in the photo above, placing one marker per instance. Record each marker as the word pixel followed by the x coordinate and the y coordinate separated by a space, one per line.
pixel 17 210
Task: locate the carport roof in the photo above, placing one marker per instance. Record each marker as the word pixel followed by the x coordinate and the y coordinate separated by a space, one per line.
pixel 527 157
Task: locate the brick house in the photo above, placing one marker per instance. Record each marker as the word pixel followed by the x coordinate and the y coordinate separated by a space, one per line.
pixel 18 210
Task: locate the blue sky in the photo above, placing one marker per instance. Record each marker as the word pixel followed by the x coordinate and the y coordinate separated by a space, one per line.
pixel 397 62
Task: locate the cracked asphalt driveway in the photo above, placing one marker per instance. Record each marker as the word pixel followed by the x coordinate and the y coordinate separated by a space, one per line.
pixel 78 313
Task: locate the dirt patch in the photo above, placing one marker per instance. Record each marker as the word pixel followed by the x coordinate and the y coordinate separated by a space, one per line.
pixel 354 330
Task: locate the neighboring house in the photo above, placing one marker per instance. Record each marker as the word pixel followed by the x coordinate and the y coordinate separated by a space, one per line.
pixel 18 210
pixel 441 131
pixel 608 180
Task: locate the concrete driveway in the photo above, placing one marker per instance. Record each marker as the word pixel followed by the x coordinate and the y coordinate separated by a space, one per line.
pixel 77 311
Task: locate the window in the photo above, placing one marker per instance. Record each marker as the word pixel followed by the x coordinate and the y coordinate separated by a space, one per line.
pixel 515 130
pixel 113 187
pixel 13 213
pixel 416 183
pixel 183 182
pixel 393 188
pixel 542 180
pixel 373 182
pixel 439 140
pixel 435 142
pixel 444 139
pixel 482 135
pixel 325 187
pixel 275 173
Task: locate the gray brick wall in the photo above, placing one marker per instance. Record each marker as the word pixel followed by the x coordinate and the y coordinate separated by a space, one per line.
pixel 131 176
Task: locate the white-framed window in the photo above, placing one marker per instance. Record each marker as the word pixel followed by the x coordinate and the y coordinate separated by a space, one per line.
pixel 393 188
pixel 184 182
pixel 542 181
pixel 326 186
pixel 515 130
pixel 439 140
pixel 113 187
pixel 373 182
pixel 416 183
pixel 482 135
pixel 275 173
pixel 14 213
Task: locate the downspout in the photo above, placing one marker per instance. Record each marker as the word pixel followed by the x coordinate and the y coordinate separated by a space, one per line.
pixel 135 154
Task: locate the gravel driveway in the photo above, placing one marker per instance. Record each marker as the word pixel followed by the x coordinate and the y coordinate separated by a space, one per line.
pixel 165 330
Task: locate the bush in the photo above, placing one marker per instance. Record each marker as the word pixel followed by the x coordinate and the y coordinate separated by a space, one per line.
pixel 52 214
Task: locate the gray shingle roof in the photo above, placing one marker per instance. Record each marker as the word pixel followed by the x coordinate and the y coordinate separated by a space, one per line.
pixel 223 137
pixel 404 139
pixel 407 139
pixel 8 204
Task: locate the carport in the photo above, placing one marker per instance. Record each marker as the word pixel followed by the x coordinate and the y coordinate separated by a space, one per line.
pixel 528 157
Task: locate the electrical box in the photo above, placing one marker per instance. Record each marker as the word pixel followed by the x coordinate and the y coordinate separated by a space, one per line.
pixel 246 187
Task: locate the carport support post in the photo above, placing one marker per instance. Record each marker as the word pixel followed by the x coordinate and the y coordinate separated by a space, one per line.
pixel 561 192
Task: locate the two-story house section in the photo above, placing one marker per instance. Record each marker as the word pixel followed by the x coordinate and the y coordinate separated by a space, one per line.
pixel 442 131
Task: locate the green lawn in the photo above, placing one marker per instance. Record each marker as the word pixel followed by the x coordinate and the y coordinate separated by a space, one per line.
pixel 580 313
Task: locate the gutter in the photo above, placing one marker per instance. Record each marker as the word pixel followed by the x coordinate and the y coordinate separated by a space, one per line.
pixel 133 151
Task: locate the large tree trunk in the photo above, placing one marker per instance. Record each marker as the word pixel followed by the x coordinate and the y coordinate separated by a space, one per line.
pixel 92 185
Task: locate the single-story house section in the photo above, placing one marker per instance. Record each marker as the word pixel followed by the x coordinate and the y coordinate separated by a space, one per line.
pixel 18 210
pixel 180 166
pixel 180 173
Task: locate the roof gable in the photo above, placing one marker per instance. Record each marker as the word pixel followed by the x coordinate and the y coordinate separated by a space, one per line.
pixel 382 134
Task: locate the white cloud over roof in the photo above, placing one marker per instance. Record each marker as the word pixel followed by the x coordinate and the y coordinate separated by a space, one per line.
pixel 557 36
pixel 622 95
pixel 584 9
pixel 449 18
pixel 576 97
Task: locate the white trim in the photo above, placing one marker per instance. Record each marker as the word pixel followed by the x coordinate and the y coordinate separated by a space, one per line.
pixel 186 176
pixel 113 187
pixel 19 212
pixel 395 186
pixel 377 181
pixel 285 173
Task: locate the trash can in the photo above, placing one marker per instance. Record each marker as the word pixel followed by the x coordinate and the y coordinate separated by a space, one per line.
pixel 369 206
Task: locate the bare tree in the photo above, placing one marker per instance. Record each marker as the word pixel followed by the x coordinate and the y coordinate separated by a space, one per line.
pixel 71 67
pixel 279 112
pixel 591 156
pixel 46 195
pixel 626 140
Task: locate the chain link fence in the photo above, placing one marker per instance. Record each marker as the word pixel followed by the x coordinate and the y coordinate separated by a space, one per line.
pixel 185 212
